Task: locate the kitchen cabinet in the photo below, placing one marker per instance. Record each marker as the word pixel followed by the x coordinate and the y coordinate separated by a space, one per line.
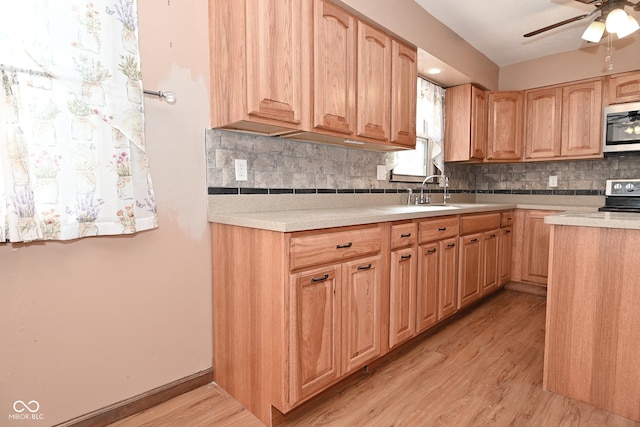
pixel 465 136
pixel 437 270
pixel 531 243
pixel 564 121
pixel 437 285
pixel 404 77
pixel 334 70
pixel 505 127
pixel 310 70
pixel 478 268
pixel 298 312
pixel 505 247
pixel 402 284
pixel 592 346
pixel 374 83
pixel 624 87
pixel 259 77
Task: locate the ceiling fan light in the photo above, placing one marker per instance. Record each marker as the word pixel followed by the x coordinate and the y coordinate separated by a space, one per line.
pixel 594 32
pixel 631 27
pixel 616 19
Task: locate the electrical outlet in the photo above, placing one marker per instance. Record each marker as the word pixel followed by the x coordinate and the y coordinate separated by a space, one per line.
pixel 241 169
pixel 553 181
pixel 381 173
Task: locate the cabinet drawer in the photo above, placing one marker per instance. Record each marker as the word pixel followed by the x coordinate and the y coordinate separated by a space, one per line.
pixel 315 249
pixel 506 218
pixel 475 223
pixel 403 235
pixel 436 229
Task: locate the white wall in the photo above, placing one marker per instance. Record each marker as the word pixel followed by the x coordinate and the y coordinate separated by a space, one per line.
pixel 88 323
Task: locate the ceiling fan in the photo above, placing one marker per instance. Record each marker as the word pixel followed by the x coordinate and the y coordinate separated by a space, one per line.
pixel 612 17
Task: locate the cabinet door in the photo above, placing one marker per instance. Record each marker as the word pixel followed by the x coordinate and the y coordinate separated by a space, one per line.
pixel 478 123
pixel 274 63
pixel 543 128
pixel 490 276
pixel 334 65
pixel 404 76
pixel 402 297
pixel 505 254
pixel 361 299
pixel 314 331
pixel 466 130
pixel 427 286
pixel 470 283
pixel 505 134
pixel 624 87
pixel 448 290
pixel 582 119
pixel 536 247
pixel 374 79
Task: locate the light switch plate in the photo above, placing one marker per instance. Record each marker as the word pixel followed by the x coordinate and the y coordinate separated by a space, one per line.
pixel 553 181
pixel 382 173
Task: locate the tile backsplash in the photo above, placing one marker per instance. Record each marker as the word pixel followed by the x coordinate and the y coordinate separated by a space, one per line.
pixel 281 164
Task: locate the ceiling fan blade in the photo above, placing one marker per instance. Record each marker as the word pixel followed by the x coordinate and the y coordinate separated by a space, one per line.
pixel 556 25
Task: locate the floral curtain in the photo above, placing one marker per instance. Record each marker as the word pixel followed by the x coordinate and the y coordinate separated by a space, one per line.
pixel 430 114
pixel 72 149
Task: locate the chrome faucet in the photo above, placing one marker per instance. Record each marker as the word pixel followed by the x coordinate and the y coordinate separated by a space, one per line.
pixel 446 185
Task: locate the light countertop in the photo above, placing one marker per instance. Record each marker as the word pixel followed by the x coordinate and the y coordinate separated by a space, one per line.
pixel 630 221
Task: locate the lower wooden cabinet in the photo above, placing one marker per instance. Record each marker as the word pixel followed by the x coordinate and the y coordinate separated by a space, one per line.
pixel 335 324
pixel 402 296
pixel 505 254
pixel 490 261
pixel 531 245
pixel 470 277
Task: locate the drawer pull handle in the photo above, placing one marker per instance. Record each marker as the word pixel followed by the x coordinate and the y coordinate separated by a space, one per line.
pixel 348 245
pixel 406 235
pixel 507 232
pixel 473 240
pixel 509 219
pixel 319 279
pixel 492 236
pixel 451 245
pixel 403 257
pixel 364 267
pixel 432 251
pixel 442 229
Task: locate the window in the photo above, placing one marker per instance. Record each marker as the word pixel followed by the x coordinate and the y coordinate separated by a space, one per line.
pixel 428 156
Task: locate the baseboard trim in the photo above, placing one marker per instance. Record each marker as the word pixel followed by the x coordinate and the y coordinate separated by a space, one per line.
pixel 125 408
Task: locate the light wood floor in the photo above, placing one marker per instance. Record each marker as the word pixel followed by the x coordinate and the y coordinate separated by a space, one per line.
pixel 483 369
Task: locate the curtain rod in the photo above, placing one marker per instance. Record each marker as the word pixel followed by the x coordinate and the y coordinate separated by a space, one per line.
pixel 170 97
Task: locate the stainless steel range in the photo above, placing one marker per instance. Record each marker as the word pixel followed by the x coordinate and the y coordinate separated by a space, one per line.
pixel 622 195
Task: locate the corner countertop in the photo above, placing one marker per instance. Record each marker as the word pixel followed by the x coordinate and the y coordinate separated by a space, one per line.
pixel 312 219
pixel 622 220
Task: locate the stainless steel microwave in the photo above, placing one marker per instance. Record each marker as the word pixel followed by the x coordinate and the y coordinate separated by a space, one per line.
pixel 621 128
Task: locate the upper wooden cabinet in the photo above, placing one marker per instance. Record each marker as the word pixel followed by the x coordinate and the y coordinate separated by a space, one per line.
pixel 334 70
pixel 260 51
pixel 624 87
pixel 310 70
pixel 543 130
pixel 465 135
pixel 505 127
pixel 564 121
pixel 404 76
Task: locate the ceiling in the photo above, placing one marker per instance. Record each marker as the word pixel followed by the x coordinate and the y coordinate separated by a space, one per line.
pixel 496 27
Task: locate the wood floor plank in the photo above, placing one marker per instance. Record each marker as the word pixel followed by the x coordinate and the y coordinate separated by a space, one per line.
pixel 484 369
